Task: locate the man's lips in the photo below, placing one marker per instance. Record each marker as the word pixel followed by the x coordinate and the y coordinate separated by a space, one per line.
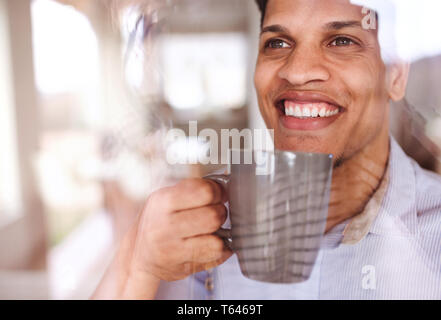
pixel 307 111
pixel 306 97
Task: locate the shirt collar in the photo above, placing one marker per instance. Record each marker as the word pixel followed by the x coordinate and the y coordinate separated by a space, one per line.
pixel 391 210
pixel 359 226
pixel 398 214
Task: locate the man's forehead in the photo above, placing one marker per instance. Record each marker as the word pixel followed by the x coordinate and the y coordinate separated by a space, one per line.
pixel 320 12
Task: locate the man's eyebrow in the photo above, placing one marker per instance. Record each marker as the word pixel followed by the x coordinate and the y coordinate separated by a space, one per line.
pixel 334 25
pixel 276 28
pixel 337 25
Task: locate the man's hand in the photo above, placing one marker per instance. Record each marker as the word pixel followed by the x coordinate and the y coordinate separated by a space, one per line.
pixel 174 237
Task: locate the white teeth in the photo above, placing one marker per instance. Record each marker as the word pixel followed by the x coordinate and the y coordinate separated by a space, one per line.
pixel 307 111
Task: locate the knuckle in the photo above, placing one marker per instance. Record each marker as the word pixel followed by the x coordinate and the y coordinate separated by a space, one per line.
pixel 217 244
pixel 189 184
pixel 160 198
pixel 203 191
pixel 200 189
pixel 206 192
pixel 215 217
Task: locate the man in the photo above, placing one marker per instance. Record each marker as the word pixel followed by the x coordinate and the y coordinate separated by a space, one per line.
pixel 323 87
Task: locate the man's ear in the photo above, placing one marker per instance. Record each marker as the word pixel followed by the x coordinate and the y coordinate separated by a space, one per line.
pixel 397 76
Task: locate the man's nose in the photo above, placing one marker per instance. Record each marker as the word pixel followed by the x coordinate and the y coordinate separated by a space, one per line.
pixel 303 66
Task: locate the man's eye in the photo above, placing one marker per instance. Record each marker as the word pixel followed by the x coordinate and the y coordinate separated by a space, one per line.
pixel 342 42
pixel 276 44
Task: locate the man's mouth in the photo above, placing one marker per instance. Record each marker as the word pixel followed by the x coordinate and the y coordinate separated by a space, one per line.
pixel 307 111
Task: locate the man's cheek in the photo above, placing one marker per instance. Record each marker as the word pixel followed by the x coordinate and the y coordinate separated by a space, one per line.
pixel 260 82
pixel 361 78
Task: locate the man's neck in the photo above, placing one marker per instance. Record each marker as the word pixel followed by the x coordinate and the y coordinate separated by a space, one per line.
pixel 357 179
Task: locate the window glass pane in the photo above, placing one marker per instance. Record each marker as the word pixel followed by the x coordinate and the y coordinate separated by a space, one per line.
pixel 204 70
pixel 10 197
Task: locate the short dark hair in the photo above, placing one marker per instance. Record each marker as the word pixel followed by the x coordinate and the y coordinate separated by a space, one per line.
pixel 262 7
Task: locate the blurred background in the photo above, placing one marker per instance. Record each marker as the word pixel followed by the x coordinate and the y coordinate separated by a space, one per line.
pixel 89 87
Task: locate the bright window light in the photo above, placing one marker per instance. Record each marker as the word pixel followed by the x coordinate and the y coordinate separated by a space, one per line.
pixel 65 49
pixel 204 70
pixel 418 25
pixel 10 188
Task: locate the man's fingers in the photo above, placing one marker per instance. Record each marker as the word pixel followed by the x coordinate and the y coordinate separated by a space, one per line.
pixel 222 192
pixel 206 249
pixel 213 264
pixel 190 194
pixel 195 266
pixel 200 221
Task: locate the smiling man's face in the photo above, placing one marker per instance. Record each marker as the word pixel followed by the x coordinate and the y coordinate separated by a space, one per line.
pixel 320 79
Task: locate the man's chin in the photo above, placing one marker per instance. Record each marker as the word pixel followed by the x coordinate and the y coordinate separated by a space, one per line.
pixel 326 139
pixel 309 142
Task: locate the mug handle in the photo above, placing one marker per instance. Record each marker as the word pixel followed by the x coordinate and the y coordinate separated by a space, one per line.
pixel 224 234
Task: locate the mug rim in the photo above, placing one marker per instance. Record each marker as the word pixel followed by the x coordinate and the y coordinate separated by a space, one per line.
pixel 282 152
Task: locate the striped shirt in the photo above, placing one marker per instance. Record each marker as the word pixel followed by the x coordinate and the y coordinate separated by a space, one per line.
pixel 390 251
